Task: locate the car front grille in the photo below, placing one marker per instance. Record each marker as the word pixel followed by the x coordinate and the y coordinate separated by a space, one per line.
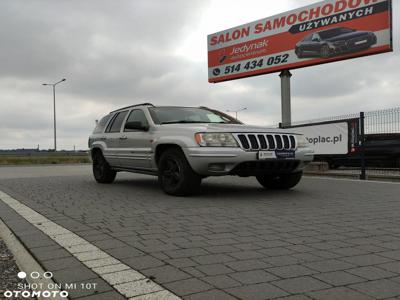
pixel 266 141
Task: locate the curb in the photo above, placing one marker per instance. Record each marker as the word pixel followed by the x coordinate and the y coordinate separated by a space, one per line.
pixel 26 262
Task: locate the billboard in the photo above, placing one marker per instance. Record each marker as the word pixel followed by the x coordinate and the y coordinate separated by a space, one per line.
pixel 324 32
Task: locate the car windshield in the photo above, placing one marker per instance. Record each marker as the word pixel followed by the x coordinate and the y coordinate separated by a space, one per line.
pixel 327 34
pixel 176 115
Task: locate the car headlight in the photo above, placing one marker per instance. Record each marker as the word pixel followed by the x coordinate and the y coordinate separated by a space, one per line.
pixel 302 142
pixel 216 140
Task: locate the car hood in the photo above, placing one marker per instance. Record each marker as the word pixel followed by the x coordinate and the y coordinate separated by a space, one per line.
pixel 348 36
pixel 233 128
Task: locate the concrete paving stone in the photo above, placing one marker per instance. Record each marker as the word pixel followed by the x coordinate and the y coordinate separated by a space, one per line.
pixel 60 263
pixel 160 255
pixel 221 281
pixel 97 237
pixel 338 278
pixel 122 277
pixel 273 244
pixel 247 265
pixel 253 277
pixel 278 251
pixel 258 291
pixel 37 241
pixel 329 265
pixel 283 260
pixel 110 269
pixel 371 248
pixel 101 262
pixel 100 287
pixel 221 249
pixel 214 269
pixel 391 267
pixel 194 272
pixel 294 297
pixel 137 288
pixel 393 245
pixel 211 295
pixel 110 243
pixel 91 255
pixel 301 285
pixel 160 295
pixel 51 254
pixel 212 259
pixel 244 255
pixel 338 293
pixel 124 252
pixel 104 296
pixel 188 286
pixel 291 271
pixel 395 254
pixel 380 289
pixel 325 254
pixel 181 262
pixel 366 260
pixel 143 262
pixel 396 279
pixel 186 253
pixel 81 248
pixel 299 248
pixel 166 274
pixel 371 273
pixel 74 274
pixel 306 257
pixel 348 251
pixel 221 242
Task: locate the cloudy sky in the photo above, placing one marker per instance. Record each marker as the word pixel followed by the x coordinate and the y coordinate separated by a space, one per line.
pixel 117 53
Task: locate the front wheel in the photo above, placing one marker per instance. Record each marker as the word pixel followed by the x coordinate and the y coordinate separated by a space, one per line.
pixel 102 171
pixel 280 181
pixel 175 175
pixel 325 51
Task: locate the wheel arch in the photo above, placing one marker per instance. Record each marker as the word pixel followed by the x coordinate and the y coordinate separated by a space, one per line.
pixel 161 148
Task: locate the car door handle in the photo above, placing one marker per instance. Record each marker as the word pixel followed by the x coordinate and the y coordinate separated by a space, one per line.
pixel 124 137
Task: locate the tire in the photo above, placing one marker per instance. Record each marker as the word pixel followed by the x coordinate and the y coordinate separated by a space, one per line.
pixel 299 53
pixel 102 171
pixel 175 175
pixel 280 181
pixel 325 51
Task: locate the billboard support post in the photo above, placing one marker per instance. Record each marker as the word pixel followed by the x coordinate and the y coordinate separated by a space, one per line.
pixel 285 95
pixel 363 175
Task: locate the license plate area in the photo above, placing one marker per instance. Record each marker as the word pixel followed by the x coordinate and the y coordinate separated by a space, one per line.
pixel 263 155
pixel 281 154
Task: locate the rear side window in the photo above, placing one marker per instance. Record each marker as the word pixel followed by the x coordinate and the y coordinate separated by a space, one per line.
pixel 102 124
pixel 117 122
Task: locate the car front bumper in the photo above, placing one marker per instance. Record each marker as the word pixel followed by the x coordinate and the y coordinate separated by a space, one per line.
pixel 209 161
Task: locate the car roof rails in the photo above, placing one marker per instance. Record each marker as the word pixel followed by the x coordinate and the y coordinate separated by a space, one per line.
pixel 130 106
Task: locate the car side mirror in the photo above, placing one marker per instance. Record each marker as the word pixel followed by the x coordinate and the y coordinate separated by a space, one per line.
pixel 136 126
pixel 316 40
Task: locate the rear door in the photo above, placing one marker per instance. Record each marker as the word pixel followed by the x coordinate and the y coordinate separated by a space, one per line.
pixel 135 145
pixel 112 138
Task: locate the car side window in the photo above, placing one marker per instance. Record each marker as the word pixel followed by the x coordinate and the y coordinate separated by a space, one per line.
pixel 316 37
pixel 117 122
pixel 102 124
pixel 137 115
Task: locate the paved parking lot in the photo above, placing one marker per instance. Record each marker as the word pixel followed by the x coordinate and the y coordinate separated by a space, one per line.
pixel 327 239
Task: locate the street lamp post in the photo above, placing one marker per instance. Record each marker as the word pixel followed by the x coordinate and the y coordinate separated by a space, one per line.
pixel 236 111
pixel 54 108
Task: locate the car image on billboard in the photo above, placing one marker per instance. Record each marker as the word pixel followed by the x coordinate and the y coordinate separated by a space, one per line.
pixel 335 41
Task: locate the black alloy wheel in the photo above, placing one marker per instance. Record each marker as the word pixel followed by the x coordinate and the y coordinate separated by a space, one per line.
pixel 176 177
pixel 102 171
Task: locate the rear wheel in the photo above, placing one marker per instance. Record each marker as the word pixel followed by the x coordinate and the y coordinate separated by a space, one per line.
pixel 176 177
pixel 279 181
pixel 101 169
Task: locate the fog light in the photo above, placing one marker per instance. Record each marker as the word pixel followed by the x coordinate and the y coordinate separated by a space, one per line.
pixel 216 167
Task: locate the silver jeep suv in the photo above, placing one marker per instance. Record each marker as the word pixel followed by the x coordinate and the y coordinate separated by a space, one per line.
pixel 183 145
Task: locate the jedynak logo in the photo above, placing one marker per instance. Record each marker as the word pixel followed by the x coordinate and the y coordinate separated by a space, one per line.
pixel 30 290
